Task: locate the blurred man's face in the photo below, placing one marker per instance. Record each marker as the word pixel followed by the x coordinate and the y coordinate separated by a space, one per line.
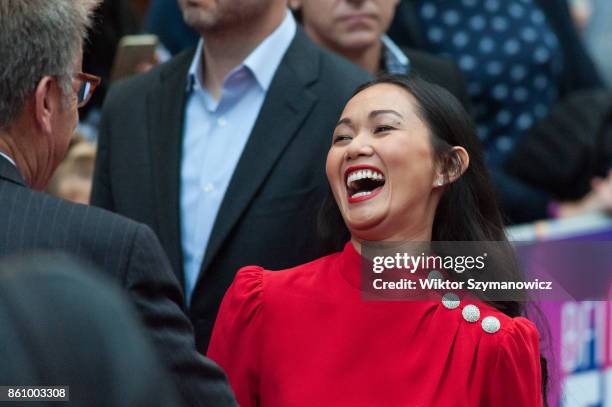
pixel 346 26
pixel 218 15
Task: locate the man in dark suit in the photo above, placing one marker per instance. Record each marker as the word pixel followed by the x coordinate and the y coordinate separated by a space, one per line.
pixel 40 88
pixel 222 151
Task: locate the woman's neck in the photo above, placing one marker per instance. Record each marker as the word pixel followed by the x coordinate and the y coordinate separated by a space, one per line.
pixel 423 235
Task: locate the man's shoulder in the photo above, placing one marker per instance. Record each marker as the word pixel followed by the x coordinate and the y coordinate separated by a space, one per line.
pixel 50 215
pixel 335 63
pixel 335 74
pixel 37 221
pixel 336 69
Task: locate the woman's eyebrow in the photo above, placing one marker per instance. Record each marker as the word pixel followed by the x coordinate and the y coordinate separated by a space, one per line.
pixel 372 114
pixel 344 120
pixel 375 113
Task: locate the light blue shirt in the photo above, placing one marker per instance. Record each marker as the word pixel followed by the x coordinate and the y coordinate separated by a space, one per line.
pixel 215 135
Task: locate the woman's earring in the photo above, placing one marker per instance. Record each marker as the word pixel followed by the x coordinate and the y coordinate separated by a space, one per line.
pixel 440 182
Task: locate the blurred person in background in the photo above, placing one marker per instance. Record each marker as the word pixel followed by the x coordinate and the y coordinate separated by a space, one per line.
pixel 569 154
pixel 520 58
pixel 217 149
pixel 356 30
pixel 63 324
pixel 41 87
pixel 73 177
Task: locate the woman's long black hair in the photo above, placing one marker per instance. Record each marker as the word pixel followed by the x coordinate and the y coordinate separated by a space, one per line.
pixel 468 210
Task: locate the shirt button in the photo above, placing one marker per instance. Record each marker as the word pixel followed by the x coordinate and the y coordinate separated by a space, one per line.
pixel 208 188
pixel 221 121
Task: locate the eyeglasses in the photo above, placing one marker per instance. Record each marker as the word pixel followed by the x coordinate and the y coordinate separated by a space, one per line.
pixel 87 85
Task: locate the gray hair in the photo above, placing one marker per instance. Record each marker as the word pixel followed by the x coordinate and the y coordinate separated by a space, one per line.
pixel 38 38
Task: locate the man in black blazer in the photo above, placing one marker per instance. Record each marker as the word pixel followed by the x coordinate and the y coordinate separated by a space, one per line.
pixel 267 215
pixel 40 88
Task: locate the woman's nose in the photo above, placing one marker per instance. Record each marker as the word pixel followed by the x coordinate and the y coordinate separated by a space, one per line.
pixel 358 148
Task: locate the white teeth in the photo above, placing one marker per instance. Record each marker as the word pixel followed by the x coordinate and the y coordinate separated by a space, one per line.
pixel 360 194
pixel 361 174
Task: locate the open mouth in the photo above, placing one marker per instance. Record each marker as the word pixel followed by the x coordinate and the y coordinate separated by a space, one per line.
pixel 363 182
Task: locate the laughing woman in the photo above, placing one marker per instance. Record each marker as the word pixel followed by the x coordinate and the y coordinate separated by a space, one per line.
pixel 304 336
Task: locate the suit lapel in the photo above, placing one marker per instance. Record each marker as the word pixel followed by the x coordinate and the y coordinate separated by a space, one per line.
pixel 287 103
pixel 166 106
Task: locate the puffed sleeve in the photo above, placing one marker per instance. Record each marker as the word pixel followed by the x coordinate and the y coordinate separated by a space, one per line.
pixel 236 337
pixel 516 378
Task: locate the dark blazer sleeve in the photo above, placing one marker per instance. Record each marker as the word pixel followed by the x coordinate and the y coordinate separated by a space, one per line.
pixel 157 295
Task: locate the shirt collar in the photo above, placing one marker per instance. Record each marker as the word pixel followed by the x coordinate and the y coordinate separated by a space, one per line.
pixel 262 61
pixel 9 159
pixel 396 62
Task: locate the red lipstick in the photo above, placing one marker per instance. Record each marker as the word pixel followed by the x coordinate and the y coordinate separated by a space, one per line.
pixel 371 194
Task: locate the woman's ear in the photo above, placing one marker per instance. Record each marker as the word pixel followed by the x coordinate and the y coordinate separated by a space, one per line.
pixel 460 163
pixel 452 166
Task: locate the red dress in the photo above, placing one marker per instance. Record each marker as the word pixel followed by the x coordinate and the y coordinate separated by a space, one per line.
pixel 304 337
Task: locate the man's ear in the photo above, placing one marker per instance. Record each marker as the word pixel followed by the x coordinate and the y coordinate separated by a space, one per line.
pixel 452 166
pixel 45 103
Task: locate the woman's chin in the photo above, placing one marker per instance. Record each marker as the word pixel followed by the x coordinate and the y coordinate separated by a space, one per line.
pixel 361 224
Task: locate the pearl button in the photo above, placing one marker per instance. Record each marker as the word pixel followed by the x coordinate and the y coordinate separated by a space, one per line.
pixel 208 187
pixel 470 313
pixel 435 275
pixel 450 300
pixel 221 121
pixel 491 325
